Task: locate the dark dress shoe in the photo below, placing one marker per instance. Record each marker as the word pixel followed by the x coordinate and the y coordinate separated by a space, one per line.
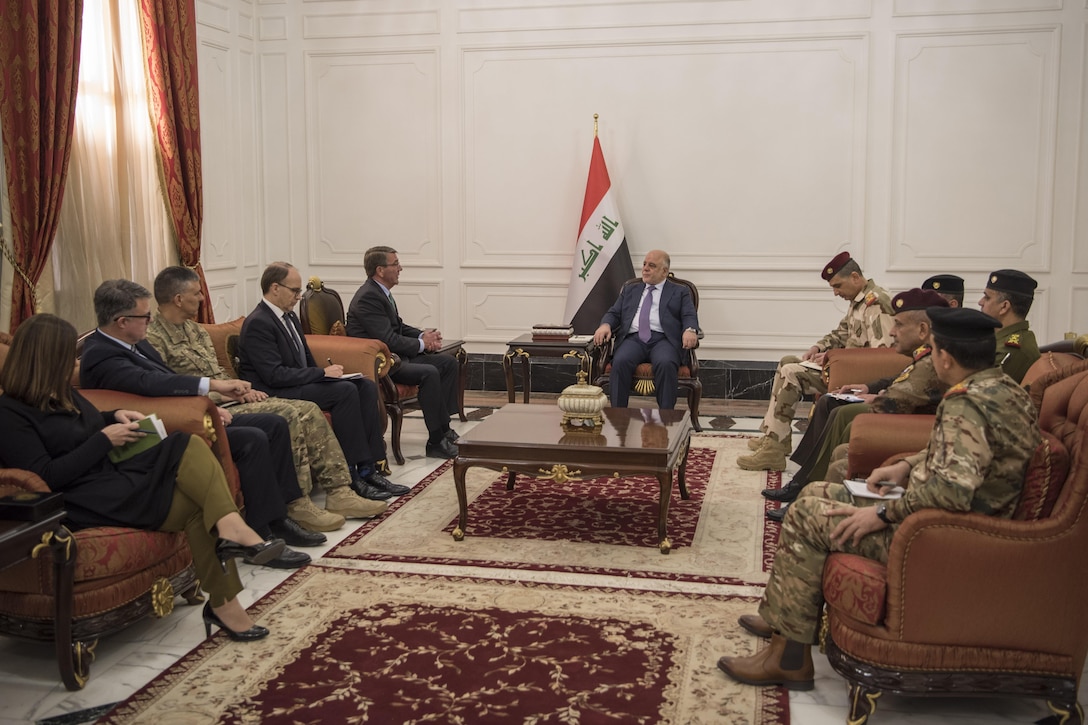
pixel 369 491
pixel 294 535
pixel 789 492
pixel 253 633
pixel 255 554
pixel 778 514
pixel 289 559
pixel 382 483
pixel 451 435
pixel 442 449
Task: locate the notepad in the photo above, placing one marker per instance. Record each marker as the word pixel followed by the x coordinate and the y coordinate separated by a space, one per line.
pixel 154 432
pixel 860 489
pixel 846 397
pixel 811 365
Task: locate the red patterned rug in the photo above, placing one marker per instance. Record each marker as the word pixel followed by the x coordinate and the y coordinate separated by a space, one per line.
pixel 603 526
pixel 381 647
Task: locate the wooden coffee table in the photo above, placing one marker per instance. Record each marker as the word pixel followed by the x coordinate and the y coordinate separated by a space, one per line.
pixel 529 439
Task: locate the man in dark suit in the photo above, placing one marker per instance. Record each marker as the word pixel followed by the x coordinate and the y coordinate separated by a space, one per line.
pixel 274 356
pixel 117 356
pixel 654 322
pixel 373 314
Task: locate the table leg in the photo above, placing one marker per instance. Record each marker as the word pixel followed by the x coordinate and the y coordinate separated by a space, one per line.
pixel 526 377
pixel 681 470
pixel 508 371
pixel 510 480
pixel 665 479
pixel 459 469
pixel 462 382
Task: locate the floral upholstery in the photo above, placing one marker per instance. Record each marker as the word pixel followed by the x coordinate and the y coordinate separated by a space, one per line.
pixel 856 586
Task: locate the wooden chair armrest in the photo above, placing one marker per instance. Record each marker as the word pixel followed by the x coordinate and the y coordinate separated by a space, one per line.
pixel 876 436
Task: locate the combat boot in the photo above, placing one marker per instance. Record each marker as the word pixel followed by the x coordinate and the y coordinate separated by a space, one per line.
pixel 347 503
pixel 754 444
pixel 770 457
pixel 312 518
pixel 783 662
pixel 787 493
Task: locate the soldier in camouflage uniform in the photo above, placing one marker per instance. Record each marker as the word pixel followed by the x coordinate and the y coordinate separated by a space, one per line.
pixel 187 348
pixel 915 390
pixel 867 324
pixel 984 436
pixel 1008 297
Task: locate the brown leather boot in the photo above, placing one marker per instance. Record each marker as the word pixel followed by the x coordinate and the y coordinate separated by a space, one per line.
pixel 756 625
pixel 784 662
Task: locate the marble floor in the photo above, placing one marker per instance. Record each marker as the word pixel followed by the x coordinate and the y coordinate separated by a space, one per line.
pixel 31 692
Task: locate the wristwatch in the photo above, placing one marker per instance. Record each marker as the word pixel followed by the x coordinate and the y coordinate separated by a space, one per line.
pixel 882 512
pixel 691 329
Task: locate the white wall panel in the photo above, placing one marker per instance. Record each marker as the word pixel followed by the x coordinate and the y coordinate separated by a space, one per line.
pixel 975 118
pixel 1078 312
pixel 278 179
pixel 497 312
pixel 373 163
pixel 219 250
pixel 361 25
pixel 950 7
pixel 742 177
pixel 1080 223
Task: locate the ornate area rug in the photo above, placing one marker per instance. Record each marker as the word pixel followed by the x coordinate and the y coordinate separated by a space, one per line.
pixel 384 647
pixel 602 526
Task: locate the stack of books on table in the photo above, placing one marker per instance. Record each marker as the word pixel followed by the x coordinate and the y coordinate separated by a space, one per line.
pixel 542 333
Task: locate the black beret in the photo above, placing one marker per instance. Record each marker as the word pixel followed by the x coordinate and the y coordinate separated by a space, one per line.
pixel 1011 280
pixel 917 299
pixel 944 283
pixel 832 268
pixel 960 323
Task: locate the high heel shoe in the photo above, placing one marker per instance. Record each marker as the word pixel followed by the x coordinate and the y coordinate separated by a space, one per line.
pixel 253 633
pixel 257 554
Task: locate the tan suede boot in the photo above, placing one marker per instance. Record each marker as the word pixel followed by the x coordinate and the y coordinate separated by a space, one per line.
pixel 783 662
pixel 754 444
pixel 756 625
pixel 771 456
pixel 345 502
pixel 312 518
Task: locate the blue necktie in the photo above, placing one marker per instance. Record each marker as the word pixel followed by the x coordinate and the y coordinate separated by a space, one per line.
pixel 644 314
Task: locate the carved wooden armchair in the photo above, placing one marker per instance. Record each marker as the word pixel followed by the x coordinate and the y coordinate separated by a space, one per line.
pixel 643 380
pixel 972 605
pixel 322 314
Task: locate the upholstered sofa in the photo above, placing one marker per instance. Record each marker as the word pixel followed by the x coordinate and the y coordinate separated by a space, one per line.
pixel 121 575
pixel 972 605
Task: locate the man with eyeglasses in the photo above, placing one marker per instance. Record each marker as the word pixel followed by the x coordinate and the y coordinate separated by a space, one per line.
pixel 373 314
pixel 117 356
pixel 274 357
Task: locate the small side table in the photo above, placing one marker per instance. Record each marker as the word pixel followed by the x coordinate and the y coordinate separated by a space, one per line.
pixel 22 540
pixel 524 347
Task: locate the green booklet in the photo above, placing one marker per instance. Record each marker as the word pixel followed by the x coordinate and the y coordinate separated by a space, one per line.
pixel 154 432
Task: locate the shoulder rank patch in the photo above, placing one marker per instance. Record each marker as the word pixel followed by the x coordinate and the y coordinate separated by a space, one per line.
pixel 904 375
pixel 920 352
pixel 956 389
pixel 1013 341
pixel 870 299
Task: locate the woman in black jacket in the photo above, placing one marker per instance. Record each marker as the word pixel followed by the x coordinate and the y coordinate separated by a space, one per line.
pixel 178 485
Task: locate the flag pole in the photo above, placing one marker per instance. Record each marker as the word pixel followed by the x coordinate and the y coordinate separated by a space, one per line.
pixel 594 125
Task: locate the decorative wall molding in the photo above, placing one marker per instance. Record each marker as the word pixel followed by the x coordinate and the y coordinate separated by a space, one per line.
pixel 371 24
pixel 214 15
pixel 272 28
pixel 1080 181
pixel 974 131
pixel 970 7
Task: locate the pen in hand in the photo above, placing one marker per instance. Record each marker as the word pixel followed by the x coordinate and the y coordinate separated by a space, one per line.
pixel 330 361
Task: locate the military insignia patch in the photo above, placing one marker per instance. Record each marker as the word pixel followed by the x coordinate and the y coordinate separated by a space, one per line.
pixel 870 299
pixel 956 389
pixel 903 375
pixel 920 352
pixel 1013 341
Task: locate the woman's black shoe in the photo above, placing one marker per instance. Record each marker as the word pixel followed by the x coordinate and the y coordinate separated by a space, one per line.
pixel 253 633
pixel 257 554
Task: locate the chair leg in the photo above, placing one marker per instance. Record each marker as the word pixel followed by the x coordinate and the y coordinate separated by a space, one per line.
pixel 862 704
pixel 695 394
pixel 1067 713
pixel 397 416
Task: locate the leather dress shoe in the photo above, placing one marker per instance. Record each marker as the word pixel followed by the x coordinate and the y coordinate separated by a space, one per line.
pixel 382 483
pixel 289 559
pixel 789 492
pixel 294 535
pixel 756 625
pixel 778 514
pixel 226 549
pixel 783 662
pixel 442 449
pixel 368 491
pixel 452 435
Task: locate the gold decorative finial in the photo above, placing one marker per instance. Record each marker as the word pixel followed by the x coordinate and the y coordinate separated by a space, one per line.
pixel 595 117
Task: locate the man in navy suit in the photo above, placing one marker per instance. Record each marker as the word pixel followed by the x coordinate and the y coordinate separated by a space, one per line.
pixel 373 314
pixel 274 356
pixel 116 356
pixel 654 322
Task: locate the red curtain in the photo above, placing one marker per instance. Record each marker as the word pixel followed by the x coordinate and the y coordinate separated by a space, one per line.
pixel 39 74
pixel 169 37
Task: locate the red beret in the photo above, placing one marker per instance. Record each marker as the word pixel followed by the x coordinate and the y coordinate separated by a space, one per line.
pixel 917 299
pixel 832 268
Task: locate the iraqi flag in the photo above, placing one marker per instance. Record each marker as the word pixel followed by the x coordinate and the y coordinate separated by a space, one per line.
pixel 602 262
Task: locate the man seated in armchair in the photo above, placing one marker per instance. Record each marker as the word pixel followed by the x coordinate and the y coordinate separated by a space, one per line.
pixel 651 322
pixel 983 439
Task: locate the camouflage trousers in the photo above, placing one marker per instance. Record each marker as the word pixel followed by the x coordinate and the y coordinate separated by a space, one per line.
pixel 317 455
pixel 840 464
pixel 791 381
pixel 794 596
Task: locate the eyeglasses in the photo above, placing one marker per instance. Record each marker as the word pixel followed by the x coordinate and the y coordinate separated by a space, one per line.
pixel 145 318
pixel 296 290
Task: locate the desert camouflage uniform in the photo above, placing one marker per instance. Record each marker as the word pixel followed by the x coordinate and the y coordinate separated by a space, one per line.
pixel 1016 349
pixel 915 390
pixel 985 434
pixel 867 323
pixel 318 458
